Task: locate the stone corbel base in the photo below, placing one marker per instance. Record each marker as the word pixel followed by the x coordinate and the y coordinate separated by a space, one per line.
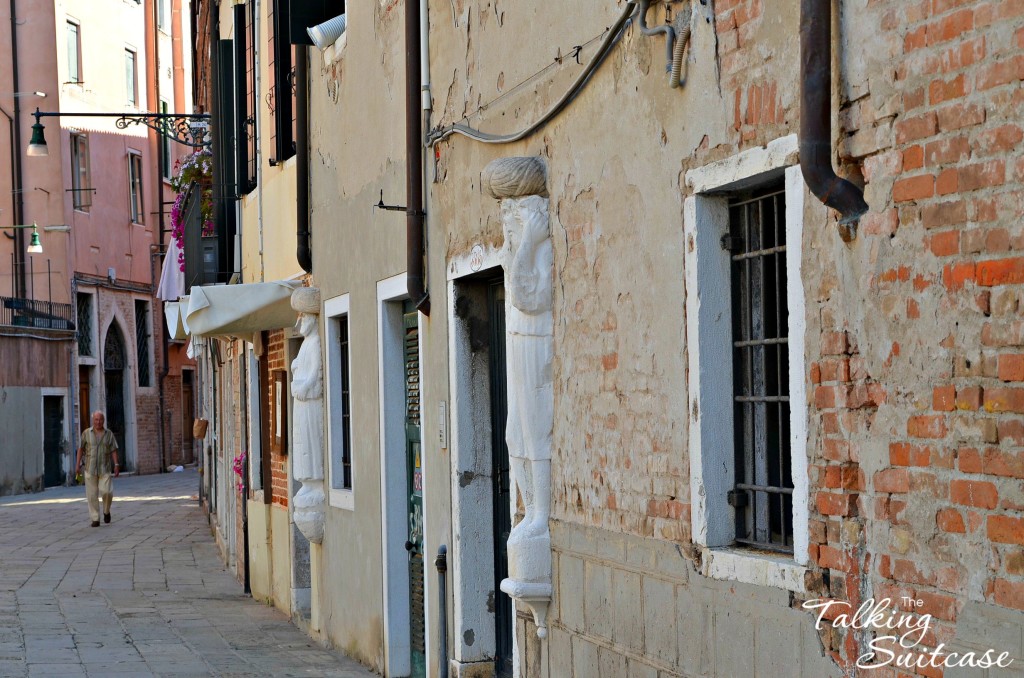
pixel 536 595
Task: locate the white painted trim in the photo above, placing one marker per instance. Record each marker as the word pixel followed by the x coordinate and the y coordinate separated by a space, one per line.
pixel 708 325
pixel 487 256
pixel 744 169
pixel 255 423
pixel 798 412
pixel 334 308
pixel 393 481
pixel 753 568
pixel 65 427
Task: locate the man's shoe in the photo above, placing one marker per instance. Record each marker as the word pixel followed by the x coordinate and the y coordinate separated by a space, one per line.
pixel 106 517
pixel 95 523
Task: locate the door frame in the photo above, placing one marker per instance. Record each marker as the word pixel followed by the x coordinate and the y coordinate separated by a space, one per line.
pixel 391 292
pixel 472 567
pixel 64 427
pixel 128 457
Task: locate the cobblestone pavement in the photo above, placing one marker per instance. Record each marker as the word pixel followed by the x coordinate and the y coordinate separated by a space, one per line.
pixel 146 595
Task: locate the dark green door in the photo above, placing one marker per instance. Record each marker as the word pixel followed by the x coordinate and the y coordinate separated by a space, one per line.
pixel 501 489
pixel 114 364
pixel 53 430
pixel 414 467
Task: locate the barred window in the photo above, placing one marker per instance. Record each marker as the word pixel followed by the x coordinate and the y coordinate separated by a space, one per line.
pixel 282 95
pixel 142 341
pixel 85 343
pixel 763 490
pixel 338 385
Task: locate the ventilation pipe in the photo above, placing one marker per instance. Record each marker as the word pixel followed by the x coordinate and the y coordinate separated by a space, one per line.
pixel 415 250
pixel 816 118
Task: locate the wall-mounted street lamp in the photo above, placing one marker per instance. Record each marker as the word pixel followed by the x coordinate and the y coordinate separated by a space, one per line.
pixel 34 245
pixel 188 129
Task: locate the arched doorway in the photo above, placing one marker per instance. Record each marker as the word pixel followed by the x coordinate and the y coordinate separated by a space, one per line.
pixel 114 367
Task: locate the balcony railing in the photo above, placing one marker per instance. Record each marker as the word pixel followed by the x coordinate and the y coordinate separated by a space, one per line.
pixel 15 312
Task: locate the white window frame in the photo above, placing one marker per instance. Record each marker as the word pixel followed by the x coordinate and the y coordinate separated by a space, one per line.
pixel 334 309
pixel 136 197
pixel 132 88
pixel 709 341
pixel 80 162
pixel 77 53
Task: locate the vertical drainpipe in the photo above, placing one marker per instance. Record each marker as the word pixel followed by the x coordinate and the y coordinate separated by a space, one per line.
pixel 816 118
pixel 415 215
pixel 19 200
pixel 303 252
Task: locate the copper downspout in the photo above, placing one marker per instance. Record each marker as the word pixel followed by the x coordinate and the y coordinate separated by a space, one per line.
pixel 415 250
pixel 816 118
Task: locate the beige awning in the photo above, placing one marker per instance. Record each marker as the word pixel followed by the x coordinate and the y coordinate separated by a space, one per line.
pixel 174 312
pixel 240 310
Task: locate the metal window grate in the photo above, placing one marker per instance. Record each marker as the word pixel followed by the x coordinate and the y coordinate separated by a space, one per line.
pixel 85 325
pixel 142 341
pixel 346 407
pixel 764 484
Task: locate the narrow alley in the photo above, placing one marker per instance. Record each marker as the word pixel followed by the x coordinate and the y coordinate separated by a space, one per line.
pixel 145 595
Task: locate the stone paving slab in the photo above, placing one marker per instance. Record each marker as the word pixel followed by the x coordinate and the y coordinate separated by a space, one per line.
pixel 146 595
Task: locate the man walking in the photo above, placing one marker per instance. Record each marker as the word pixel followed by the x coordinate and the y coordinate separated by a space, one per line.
pixel 99 449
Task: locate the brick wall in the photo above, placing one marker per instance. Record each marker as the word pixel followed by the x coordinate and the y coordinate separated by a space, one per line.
pixel 277 360
pixel 916 483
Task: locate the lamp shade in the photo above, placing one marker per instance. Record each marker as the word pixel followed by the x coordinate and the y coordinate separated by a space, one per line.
pixel 37 145
pixel 34 246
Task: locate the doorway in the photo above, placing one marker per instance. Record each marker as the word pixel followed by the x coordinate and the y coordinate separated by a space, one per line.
pixel 414 490
pixel 500 478
pixel 187 416
pixel 113 379
pixel 53 439
pixel 84 398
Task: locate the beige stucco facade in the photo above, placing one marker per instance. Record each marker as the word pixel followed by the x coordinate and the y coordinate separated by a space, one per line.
pixel 902 352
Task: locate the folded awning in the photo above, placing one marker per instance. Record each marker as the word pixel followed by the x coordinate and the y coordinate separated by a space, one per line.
pixel 174 312
pixel 240 310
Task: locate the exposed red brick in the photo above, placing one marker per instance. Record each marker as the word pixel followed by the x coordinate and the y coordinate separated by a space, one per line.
pixel 950 520
pixel 1006 529
pixel 1009 594
pixel 833 504
pixel 1001 272
pixel 892 481
pixel 1011 367
pixel 977 493
pixel 926 426
pixel 914 188
pixel 1004 399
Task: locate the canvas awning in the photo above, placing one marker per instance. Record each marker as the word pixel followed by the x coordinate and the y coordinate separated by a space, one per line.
pixel 174 312
pixel 240 311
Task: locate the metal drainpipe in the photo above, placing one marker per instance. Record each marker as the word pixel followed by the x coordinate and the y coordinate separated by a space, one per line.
pixel 415 249
pixel 19 200
pixel 816 118
pixel 304 252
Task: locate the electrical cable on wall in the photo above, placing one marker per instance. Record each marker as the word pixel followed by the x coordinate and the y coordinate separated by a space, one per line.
pixel 612 38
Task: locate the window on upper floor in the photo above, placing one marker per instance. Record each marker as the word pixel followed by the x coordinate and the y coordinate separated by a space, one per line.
pixel 162 15
pixel 282 92
pixel 748 405
pixel 135 206
pixel 85 325
pixel 165 147
pixel 74 45
pixel 131 78
pixel 249 122
pixel 81 183
pixel 339 432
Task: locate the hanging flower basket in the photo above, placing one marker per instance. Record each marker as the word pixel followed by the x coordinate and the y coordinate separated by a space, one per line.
pixel 193 169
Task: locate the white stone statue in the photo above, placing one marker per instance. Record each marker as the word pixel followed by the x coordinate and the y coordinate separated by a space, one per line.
pixel 519 183
pixel 307 418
